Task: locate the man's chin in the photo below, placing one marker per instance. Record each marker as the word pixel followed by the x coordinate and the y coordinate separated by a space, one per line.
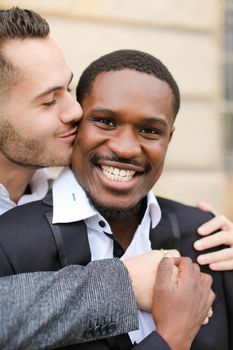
pixel 114 212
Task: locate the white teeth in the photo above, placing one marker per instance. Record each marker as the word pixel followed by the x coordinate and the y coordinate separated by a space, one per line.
pixel 116 174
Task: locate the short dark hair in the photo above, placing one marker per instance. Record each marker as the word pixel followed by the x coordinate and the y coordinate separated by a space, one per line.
pixel 16 23
pixel 127 59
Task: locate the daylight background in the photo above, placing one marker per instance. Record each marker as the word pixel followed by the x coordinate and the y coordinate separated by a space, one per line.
pixel 194 38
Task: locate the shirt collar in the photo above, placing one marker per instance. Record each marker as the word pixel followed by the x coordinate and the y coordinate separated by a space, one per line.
pixel 70 202
pixel 153 208
pixel 38 186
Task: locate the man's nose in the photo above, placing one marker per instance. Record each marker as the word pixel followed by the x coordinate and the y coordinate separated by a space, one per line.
pixel 72 111
pixel 125 143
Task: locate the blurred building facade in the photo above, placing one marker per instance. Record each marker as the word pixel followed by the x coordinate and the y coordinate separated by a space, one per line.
pixel 187 35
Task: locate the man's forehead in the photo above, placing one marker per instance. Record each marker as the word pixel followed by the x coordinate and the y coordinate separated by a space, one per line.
pixel 128 80
pixel 129 91
pixel 23 53
pixel 128 83
pixel 39 61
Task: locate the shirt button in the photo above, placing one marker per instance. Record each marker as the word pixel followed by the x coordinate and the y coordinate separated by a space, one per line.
pixel 104 329
pixel 101 223
pixel 89 333
pixel 97 330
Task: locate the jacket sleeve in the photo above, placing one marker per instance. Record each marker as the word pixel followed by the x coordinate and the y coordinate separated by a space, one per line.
pixel 152 341
pixel 44 310
pixel 228 287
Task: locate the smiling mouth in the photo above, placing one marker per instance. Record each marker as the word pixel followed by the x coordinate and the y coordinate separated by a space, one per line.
pixel 117 174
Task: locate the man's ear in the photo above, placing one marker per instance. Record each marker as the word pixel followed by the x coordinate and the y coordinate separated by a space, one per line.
pixel 171 133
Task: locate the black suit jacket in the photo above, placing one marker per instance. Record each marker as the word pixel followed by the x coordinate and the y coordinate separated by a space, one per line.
pixel 30 242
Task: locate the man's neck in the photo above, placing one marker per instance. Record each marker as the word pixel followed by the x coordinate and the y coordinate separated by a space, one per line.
pixel 123 229
pixel 15 178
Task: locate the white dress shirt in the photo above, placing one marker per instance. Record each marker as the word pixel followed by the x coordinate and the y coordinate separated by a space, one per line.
pixel 70 204
pixel 39 188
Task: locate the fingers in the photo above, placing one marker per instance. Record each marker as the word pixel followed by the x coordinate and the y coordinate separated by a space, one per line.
pixel 206 320
pixel 168 273
pixel 209 315
pixel 222 265
pixel 188 301
pixel 219 222
pixel 222 259
pixel 206 281
pixel 215 257
pixel 219 238
pixel 165 271
pixel 187 268
pixel 204 206
pixel 172 253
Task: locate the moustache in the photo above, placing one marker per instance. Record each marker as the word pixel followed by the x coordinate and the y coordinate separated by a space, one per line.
pixel 95 159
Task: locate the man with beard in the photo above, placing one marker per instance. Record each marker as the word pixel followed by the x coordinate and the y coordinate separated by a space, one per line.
pixel 106 209
pixel 28 144
pixel 38 124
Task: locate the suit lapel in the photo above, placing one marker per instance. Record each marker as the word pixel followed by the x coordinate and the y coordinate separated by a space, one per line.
pixel 166 235
pixel 71 239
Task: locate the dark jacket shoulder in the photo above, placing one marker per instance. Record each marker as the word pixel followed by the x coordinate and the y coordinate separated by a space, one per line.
pixel 25 236
pixel 18 214
pixel 186 214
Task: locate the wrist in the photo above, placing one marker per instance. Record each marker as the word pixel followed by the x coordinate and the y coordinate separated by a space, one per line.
pixel 175 340
pixel 143 300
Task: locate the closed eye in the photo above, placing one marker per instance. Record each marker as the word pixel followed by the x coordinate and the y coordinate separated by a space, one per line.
pixel 50 103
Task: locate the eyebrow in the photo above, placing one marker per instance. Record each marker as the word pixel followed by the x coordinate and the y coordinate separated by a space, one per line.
pixel 111 113
pixel 54 88
pixel 104 111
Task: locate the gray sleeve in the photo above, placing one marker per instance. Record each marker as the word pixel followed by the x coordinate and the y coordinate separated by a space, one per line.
pixel 44 310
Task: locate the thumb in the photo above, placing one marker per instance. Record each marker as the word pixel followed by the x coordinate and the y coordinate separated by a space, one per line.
pixel 206 207
pixel 165 271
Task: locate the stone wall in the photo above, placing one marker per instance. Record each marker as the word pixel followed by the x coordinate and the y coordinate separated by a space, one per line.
pixel 186 36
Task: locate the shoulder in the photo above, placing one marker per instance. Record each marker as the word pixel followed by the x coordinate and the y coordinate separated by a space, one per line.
pixel 185 213
pixel 23 224
pixel 22 213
